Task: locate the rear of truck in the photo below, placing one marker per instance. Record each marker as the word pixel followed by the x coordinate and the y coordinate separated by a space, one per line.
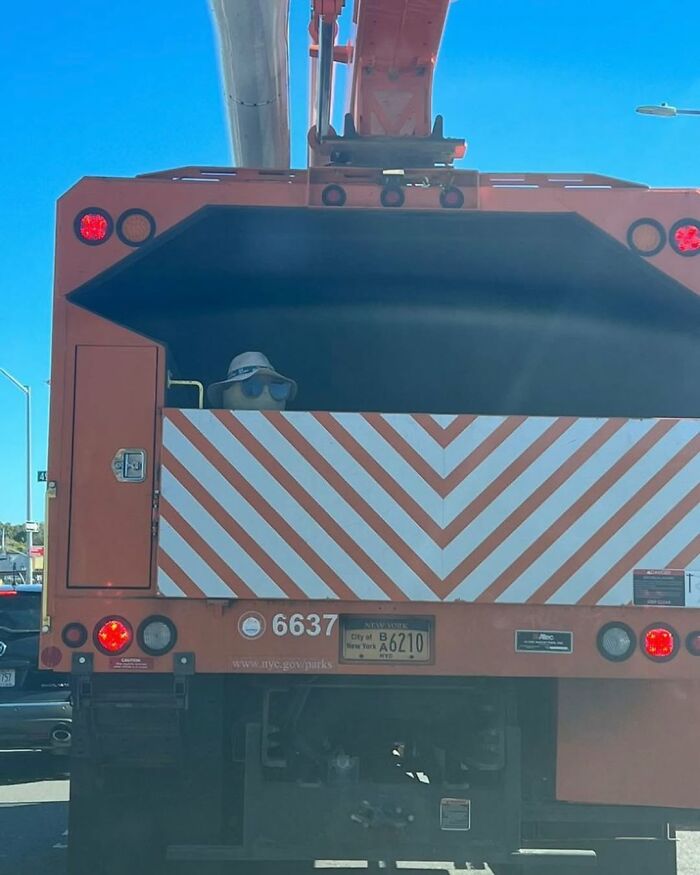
pixel 443 609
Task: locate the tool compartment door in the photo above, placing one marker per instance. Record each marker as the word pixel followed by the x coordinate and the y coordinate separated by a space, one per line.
pixel 111 520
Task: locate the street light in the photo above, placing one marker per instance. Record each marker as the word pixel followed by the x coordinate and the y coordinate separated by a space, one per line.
pixel 28 395
pixel 665 110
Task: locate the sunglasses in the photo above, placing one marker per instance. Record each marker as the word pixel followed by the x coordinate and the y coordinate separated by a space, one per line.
pixel 278 389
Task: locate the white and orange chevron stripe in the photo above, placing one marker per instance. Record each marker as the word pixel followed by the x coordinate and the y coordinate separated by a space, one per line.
pixel 404 507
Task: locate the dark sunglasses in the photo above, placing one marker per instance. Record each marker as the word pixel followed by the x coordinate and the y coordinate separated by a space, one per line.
pixel 278 389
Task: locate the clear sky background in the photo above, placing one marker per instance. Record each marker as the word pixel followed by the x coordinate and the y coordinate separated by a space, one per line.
pixel 123 88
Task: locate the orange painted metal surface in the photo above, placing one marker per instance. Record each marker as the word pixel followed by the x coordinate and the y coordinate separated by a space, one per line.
pixel 395 52
pixel 628 742
pixel 470 639
pixel 173 196
pixel 110 521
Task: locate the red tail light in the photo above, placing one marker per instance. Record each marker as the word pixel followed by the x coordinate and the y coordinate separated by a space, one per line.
pixel 93 226
pixel 8 592
pixel 660 643
pixel 113 635
pixel 685 237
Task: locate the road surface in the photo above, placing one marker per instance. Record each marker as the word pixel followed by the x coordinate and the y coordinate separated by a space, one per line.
pixel 34 820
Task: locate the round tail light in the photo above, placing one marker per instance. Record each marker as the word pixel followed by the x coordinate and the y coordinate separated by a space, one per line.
pixel 392 196
pixel 616 641
pixel 93 226
pixel 451 198
pixel 113 635
pixel 660 643
pixel 646 237
pixel 74 635
pixel 333 196
pixel 157 635
pixel 135 227
pixel 692 642
pixel 685 237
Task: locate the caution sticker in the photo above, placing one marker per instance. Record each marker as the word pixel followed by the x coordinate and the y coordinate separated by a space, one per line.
pixel 659 587
pixel 455 814
pixel 131 663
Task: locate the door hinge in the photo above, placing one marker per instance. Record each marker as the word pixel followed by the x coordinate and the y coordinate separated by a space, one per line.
pixel 155 504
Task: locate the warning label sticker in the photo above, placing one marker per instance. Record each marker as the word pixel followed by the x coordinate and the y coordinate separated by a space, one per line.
pixel 455 814
pixel 131 663
pixel 659 587
pixel 543 641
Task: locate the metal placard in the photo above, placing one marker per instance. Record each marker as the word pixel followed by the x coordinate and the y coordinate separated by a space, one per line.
pixel 543 641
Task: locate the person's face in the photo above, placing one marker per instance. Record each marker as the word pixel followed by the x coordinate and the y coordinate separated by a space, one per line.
pixel 255 393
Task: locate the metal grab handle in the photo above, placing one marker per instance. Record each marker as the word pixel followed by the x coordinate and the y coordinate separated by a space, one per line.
pixel 192 383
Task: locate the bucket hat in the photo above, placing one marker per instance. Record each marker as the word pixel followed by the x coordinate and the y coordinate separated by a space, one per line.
pixel 243 367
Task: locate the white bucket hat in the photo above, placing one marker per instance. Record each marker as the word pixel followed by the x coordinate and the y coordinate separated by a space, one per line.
pixel 243 367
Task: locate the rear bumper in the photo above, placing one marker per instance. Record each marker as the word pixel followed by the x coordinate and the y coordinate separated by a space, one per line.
pixel 40 721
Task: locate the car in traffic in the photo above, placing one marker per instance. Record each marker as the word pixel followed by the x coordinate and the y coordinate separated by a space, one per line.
pixel 35 708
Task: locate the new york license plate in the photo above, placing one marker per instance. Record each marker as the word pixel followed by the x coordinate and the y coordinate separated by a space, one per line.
pixel 399 639
pixel 7 677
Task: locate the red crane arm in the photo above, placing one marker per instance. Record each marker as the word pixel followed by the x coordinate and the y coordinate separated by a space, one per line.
pixel 396 47
pixel 389 114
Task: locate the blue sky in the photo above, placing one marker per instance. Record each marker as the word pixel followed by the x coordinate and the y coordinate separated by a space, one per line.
pixel 123 88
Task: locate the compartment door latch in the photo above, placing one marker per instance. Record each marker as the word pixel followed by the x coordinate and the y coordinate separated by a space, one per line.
pixel 129 465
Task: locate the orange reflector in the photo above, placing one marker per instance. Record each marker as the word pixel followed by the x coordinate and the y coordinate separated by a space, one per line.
pixel 646 237
pixel 136 227
pixel 461 150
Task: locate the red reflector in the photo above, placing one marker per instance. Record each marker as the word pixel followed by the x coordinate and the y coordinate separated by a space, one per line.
pixel 51 656
pixel 113 635
pixel 8 592
pixel 659 643
pixel 94 227
pixel 687 238
pixel 461 150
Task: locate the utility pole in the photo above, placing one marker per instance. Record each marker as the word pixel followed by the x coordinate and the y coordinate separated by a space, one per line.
pixel 28 396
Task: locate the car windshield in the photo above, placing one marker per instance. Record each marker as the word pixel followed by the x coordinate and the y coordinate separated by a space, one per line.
pixel 20 611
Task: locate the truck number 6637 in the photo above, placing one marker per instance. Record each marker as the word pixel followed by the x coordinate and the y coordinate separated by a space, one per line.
pixel 304 624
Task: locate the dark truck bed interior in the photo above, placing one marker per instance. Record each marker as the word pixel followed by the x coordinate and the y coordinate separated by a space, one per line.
pixel 448 312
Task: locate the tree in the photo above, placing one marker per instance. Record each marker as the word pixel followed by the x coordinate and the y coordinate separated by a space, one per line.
pixel 16 537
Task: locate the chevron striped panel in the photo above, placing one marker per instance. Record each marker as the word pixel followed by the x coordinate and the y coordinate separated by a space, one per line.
pixel 403 507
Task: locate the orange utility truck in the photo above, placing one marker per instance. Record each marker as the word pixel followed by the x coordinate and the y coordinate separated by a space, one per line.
pixel 444 606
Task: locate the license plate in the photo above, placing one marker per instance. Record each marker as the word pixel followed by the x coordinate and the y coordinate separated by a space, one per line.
pixel 399 639
pixel 7 677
